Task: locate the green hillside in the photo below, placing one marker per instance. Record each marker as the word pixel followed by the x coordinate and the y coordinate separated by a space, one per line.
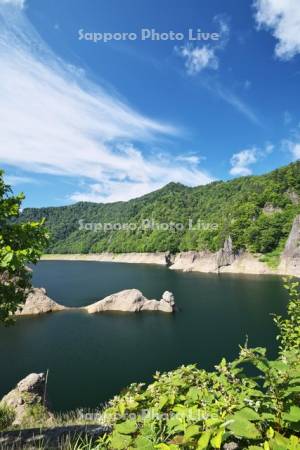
pixel 257 211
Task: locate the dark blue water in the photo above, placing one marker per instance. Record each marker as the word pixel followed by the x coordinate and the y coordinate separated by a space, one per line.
pixel 92 357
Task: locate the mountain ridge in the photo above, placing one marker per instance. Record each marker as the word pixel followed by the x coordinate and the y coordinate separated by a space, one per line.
pixel 257 211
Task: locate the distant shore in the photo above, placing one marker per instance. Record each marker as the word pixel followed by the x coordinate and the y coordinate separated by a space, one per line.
pixel 204 262
pixel 159 258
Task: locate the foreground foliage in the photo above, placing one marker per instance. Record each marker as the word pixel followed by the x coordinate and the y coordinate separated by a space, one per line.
pixel 251 403
pixel 20 244
pixel 256 211
pixel 190 408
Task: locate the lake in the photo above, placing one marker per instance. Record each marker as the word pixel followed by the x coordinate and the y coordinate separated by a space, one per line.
pixel 92 357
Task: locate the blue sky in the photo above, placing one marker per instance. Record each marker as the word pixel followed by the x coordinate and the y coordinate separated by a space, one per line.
pixel 108 121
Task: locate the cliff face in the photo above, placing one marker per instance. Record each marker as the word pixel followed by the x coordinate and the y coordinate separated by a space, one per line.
pixel 225 256
pixel 206 261
pixel 290 258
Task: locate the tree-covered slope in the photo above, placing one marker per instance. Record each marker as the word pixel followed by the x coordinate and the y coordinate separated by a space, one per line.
pixel 257 211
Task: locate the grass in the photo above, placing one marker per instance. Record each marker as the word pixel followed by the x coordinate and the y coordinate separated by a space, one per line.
pixel 7 417
pixel 38 418
pixel 272 259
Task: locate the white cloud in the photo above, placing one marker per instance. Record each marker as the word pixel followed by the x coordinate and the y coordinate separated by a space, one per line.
pixel 54 120
pixel 241 161
pixel 198 58
pixel 17 3
pixel 293 147
pixel 282 17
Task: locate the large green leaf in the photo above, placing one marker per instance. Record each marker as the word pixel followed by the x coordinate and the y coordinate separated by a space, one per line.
pixel 293 415
pixel 203 442
pixel 143 443
pixel 216 441
pixel 120 441
pixel 243 428
pixel 190 432
pixel 127 427
pixel 248 413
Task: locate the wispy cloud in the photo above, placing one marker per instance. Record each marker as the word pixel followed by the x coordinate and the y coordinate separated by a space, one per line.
pixel 282 18
pixel 14 180
pixel 54 120
pixel 232 99
pixel 199 58
pixel 14 3
pixel 191 158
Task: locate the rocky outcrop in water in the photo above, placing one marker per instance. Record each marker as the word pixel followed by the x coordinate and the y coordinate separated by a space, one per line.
pixel 37 302
pixel 129 300
pixel 166 304
pixel 132 300
pixel 29 395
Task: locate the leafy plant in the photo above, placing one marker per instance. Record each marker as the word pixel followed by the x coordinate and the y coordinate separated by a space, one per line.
pixel 20 244
pixel 190 408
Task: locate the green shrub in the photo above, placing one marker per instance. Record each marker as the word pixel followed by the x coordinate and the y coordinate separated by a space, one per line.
pixel 7 416
pixel 191 408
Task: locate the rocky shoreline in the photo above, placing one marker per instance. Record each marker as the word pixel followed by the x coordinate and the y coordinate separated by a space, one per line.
pixel 226 260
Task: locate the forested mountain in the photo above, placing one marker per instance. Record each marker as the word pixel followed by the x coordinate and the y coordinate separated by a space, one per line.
pixel 257 211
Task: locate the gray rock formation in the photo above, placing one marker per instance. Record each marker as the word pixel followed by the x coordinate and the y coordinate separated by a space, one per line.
pixel 290 258
pixel 37 302
pixel 292 246
pixel 293 196
pixel 129 300
pixel 166 304
pixel 29 393
pixel 225 256
pixel 269 209
pixel 195 261
pixel 132 300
